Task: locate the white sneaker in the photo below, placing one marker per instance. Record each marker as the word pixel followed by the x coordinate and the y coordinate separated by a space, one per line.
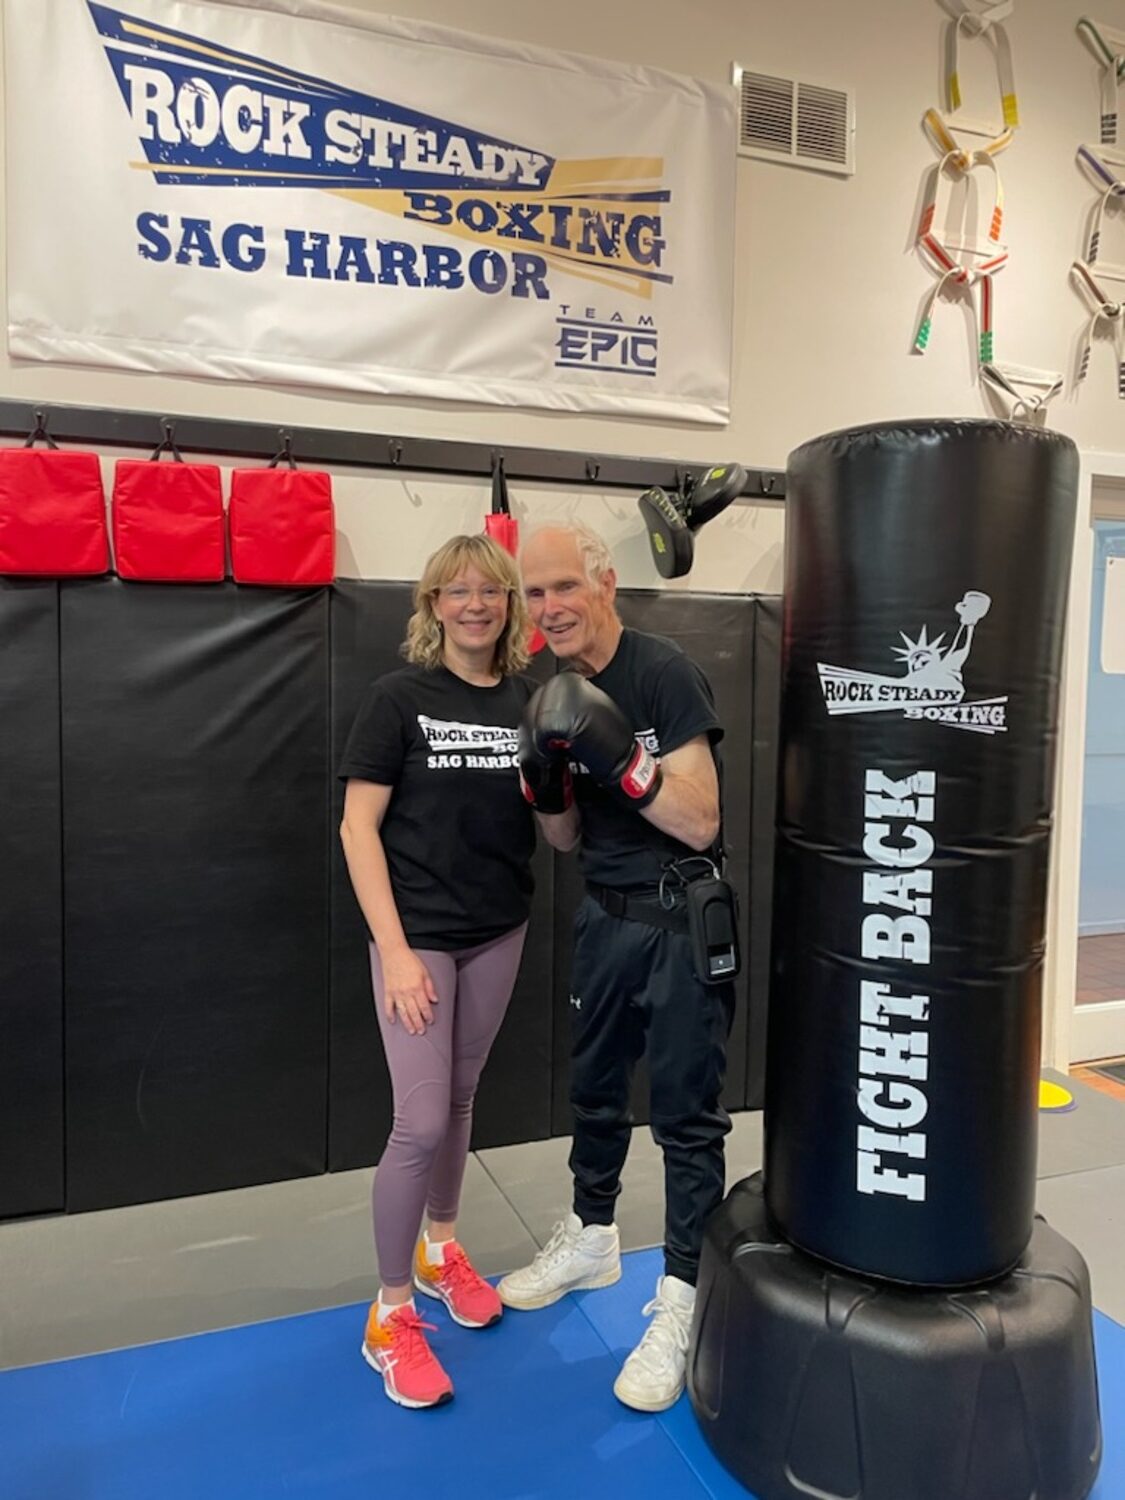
pixel 576 1258
pixel 652 1378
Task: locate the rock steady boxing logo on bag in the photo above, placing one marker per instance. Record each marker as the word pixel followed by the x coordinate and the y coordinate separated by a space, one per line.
pixel 932 687
pixel 205 114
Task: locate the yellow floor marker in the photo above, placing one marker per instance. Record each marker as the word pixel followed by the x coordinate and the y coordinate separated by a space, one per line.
pixel 1054 1098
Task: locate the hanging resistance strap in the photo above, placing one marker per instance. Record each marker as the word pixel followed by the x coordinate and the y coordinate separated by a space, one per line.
pixel 1102 170
pixel 1108 46
pixel 965 260
pixel 943 136
pixel 1103 309
pixel 1023 391
pixel 986 21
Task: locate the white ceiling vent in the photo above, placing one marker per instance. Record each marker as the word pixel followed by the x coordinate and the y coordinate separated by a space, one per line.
pixel 795 121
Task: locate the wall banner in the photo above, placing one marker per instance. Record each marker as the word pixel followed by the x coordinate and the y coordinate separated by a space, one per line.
pixel 292 192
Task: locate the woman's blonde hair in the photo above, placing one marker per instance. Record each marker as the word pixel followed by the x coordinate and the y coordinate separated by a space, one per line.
pixel 423 643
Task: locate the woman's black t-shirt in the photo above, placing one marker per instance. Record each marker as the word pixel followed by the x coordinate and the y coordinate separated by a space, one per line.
pixel 457 833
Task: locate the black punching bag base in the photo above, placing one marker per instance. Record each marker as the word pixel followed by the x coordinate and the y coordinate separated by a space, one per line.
pixel 809 1381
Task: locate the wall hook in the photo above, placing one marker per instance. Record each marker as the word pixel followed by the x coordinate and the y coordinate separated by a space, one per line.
pixel 40 431
pixel 285 451
pixel 167 441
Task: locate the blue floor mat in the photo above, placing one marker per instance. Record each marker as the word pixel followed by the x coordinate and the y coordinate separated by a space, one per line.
pixel 289 1411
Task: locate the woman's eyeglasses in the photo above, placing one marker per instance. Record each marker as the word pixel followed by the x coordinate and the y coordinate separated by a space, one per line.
pixel 460 593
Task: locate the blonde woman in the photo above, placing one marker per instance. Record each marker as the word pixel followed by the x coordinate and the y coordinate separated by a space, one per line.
pixel 438 841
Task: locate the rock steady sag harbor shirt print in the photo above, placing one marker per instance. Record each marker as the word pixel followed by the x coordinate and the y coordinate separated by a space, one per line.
pixel 458 834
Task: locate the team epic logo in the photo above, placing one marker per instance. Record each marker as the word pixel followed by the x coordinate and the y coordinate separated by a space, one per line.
pixel 932 687
pixel 207 115
pixel 588 340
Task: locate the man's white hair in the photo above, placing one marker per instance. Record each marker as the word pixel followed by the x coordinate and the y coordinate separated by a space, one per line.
pixel 596 557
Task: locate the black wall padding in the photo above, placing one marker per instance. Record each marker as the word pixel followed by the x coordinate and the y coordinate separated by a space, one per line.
pixel 195 815
pixel 218 1018
pixel 31 1045
pixel 513 1103
pixel 717 631
pixel 763 816
pixel 366 625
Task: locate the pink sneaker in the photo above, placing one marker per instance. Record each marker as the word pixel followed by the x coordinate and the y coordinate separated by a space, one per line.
pixel 398 1349
pixel 469 1298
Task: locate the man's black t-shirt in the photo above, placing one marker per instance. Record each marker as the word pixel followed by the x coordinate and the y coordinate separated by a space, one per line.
pixel 457 833
pixel 668 701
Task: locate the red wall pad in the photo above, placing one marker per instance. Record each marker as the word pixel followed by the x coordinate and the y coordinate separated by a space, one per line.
pixel 504 530
pixel 52 513
pixel 282 527
pixel 168 522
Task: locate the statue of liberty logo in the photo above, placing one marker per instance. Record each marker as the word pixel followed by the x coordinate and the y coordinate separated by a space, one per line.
pixel 927 665
pixel 932 686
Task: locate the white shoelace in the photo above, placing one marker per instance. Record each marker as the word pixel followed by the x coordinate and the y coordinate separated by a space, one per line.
pixel 667 1336
pixel 557 1248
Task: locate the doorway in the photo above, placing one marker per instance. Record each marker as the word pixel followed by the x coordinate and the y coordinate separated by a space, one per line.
pixel 1099 1020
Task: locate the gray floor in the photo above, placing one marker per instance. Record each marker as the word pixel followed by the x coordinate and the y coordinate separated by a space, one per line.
pixel 75 1285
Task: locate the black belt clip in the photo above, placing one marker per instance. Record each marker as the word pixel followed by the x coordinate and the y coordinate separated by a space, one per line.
pixel 614 902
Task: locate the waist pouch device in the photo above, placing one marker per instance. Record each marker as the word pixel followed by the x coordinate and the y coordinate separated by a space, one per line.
pixel 712 911
pixel 707 914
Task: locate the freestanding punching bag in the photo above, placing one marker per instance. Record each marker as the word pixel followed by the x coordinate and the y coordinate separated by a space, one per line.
pixel 913 1330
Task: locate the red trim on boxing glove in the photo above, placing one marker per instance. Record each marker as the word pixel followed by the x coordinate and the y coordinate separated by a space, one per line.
pixel 642 778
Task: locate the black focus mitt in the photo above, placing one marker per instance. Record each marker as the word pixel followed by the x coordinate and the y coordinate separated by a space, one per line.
pixel 672 520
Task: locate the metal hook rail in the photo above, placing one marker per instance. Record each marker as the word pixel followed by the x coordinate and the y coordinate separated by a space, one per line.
pixel 364 450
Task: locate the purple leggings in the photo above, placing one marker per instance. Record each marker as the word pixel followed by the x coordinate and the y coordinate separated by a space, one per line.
pixel 434 1077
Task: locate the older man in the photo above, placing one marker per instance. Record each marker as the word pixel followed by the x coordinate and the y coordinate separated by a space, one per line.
pixel 618 755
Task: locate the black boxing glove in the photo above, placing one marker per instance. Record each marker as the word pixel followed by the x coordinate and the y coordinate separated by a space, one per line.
pixel 573 715
pixel 544 774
